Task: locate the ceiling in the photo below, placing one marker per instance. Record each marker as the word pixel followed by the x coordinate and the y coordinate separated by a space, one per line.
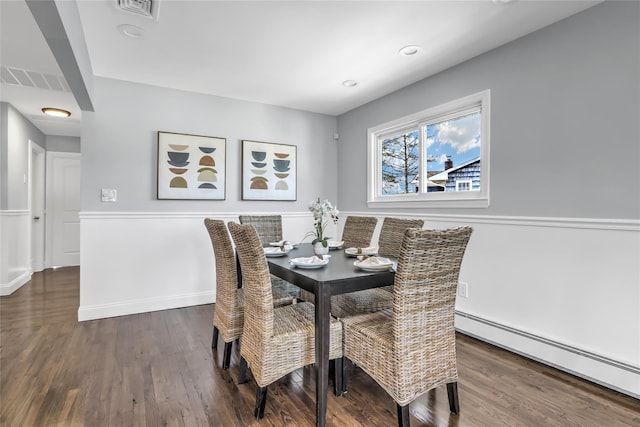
pixel 289 53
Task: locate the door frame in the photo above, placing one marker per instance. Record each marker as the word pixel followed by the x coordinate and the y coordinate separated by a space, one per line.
pixel 51 195
pixel 37 207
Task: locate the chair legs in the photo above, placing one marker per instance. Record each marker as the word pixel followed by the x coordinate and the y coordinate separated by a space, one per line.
pixel 261 401
pixel 346 366
pixel 242 371
pixel 338 377
pixel 403 415
pixel 452 392
pixel 227 355
pixel 214 340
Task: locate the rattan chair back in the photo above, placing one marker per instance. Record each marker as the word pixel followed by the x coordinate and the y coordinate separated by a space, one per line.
pixel 358 231
pixel 392 232
pixel 269 227
pixel 424 301
pixel 228 314
pixel 256 280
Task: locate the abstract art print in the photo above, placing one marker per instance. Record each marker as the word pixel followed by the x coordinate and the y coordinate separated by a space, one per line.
pixel 191 167
pixel 268 171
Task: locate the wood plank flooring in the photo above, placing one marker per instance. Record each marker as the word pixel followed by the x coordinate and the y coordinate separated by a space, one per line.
pixel 157 369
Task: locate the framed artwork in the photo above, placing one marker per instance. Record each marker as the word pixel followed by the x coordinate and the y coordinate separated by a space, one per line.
pixel 191 167
pixel 268 171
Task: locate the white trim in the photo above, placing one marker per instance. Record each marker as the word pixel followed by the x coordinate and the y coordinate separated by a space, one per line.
pixel 14 212
pixel 536 221
pixel 620 224
pixel 15 284
pixel 88 215
pixel 145 305
pixel 593 367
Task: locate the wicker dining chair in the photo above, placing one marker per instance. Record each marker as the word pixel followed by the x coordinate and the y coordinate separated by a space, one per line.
pixel 269 229
pixel 392 232
pixel 275 341
pixel 411 348
pixel 358 231
pixel 371 300
pixel 228 317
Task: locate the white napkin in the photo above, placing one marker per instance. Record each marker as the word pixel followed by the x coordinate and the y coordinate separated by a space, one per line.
pixel 335 243
pixel 371 250
pixel 312 260
pixel 375 261
pixel 276 249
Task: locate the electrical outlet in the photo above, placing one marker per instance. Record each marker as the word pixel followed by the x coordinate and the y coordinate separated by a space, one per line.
pixel 463 289
pixel 108 195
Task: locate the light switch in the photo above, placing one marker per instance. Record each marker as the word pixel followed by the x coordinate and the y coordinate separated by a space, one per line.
pixel 109 195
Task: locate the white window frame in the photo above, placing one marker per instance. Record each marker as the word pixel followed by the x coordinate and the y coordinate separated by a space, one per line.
pixel 440 199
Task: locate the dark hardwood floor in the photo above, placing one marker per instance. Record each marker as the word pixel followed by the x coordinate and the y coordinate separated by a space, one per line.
pixel 156 369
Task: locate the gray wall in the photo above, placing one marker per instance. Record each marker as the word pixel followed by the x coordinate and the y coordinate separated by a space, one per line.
pixel 64 144
pixel 14 157
pixel 564 119
pixel 119 146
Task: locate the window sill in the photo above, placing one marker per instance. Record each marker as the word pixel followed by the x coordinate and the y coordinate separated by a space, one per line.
pixel 396 202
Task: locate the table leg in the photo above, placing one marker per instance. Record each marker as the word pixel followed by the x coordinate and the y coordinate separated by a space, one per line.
pixel 323 307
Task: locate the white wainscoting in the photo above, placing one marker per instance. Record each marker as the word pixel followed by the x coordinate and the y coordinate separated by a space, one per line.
pixel 139 262
pixel 15 246
pixel 564 291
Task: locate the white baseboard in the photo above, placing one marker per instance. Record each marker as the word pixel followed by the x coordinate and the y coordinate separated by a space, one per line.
pixel 142 306
pixel 601 370
pixel 15 284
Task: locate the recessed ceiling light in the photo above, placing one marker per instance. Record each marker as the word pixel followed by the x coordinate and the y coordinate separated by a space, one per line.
pixel 409 50
pixel 56 112
pixel 349 83
pixel 130 30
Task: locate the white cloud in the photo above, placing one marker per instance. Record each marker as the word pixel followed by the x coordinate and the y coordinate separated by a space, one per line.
pixel 462 134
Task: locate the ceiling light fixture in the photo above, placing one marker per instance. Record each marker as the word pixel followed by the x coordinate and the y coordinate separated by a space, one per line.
pixel 130 30
pixel 56 112
pixel 349 83
pixel 409 50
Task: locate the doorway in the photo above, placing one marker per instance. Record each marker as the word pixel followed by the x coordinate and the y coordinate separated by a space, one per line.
pixel 37 206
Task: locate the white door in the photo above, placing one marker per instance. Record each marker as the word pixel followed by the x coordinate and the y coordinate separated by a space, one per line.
pixel 36 200
pixel 63 207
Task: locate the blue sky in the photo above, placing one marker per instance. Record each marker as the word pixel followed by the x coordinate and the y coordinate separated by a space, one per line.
pixel 458 138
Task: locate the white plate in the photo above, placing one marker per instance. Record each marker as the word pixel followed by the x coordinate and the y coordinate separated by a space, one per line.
pixel 286 242
pixel 365 251
pixel 372 267
pixel 335 244
pixel 303 262
pixel 275 252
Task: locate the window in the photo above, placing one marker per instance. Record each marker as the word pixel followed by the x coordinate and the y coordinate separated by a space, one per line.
pixel 463 185
pixel 435 158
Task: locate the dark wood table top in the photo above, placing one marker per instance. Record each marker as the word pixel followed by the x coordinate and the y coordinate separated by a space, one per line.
pixel 340 274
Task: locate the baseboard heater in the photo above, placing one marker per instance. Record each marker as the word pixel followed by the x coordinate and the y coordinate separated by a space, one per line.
pixel 548 342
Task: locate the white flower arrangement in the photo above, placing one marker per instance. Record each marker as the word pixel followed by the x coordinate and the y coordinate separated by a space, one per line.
pixel 321 210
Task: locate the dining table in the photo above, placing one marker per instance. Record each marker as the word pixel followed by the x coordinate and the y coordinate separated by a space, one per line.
pixel 338 276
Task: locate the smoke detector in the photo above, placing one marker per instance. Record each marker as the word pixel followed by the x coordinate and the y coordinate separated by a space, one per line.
pixel 145 8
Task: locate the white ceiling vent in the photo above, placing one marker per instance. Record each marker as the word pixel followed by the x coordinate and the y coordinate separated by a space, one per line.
pixel 20 77
pixel 146 8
